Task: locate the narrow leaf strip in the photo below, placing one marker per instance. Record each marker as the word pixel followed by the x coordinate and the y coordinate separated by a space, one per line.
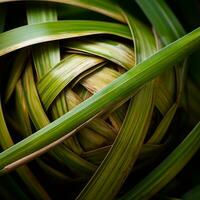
pixel 16 71
pixel 161 17
pixel 112 50
pixel 45 56
pixel 49 31
pixel 104 7
pixel 21 112
pixel 107 8
pixel 163 126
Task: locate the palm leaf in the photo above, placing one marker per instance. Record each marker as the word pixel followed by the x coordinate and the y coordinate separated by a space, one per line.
pixel 124 85
pixel 98 103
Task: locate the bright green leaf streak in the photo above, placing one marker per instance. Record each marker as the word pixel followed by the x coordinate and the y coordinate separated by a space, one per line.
pixel 49 31
pixel 105 7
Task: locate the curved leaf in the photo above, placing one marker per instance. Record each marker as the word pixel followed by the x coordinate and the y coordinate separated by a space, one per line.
pixel 112 50
pixel 50 31
pixel 104 7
